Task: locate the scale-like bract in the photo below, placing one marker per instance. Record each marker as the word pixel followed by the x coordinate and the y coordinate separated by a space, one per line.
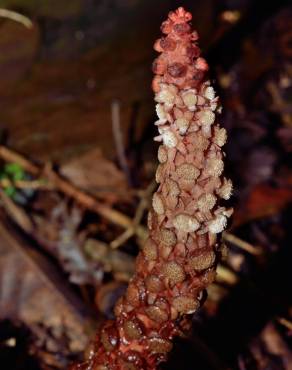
pixel 179 258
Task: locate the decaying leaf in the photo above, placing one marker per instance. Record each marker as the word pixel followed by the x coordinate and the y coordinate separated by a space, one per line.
pixel 99 176
pixel 119 263
pixel 263 201
pixel 32 292
pixel 61 238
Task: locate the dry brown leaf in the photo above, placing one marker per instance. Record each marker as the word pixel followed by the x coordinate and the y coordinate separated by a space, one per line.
pixel 120 264
pixel 263 201
pixel 97 175
pixel 32 292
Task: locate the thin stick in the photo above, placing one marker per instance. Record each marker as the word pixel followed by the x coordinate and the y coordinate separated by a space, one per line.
pixel 9 155
pixel 103 210
pixel 285 322
pixel 225 275
pixel 14 16
pixel 69 189
pixel 241 243
pixel 91 203
pixel 118 138
pixel 121 239
pixel 16 213
pixel 23 184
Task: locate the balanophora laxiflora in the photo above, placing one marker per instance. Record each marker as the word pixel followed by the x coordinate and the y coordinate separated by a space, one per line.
pixel 179 258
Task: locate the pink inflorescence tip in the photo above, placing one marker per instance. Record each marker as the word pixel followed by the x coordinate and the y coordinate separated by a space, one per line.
pixel 179 62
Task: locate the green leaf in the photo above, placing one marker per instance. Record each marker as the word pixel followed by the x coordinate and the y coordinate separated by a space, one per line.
pixel 10 191
pixel 15 171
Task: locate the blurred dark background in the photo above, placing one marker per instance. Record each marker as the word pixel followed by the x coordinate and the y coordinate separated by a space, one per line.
pixel 57 80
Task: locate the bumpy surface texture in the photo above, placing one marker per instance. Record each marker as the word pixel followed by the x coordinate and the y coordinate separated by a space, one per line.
pixel 179 259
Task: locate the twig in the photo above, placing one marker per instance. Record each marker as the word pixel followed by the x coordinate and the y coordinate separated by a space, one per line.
pixel 9 155
pixel 132 226
pixel 278 102
pixel 241 244
pixel 16 213
pixel 22 184
pixel 14 16
pixel 91 203
pixel 121 239
pixel 285 322
pixel 225 275
pixel 127 234
pixel 69 189
pixel 118 138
